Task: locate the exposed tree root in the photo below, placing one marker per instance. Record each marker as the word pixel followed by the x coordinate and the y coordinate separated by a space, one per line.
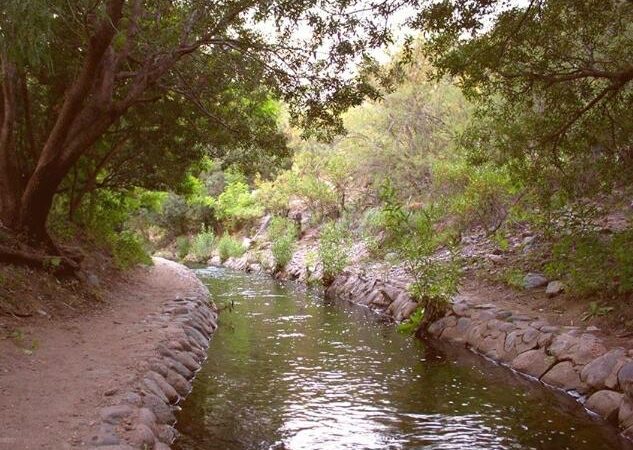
pixel 59 265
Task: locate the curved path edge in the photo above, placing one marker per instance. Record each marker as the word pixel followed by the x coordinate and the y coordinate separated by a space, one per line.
pixel 143 416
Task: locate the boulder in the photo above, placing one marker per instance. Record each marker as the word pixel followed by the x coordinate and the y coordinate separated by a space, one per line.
pixel 564 376
pixel 602 372
pixel 605 403
pixel 625 378
pixel 533 362
pixel 534 280
pixel 625 415
pixel 115 414
pixel 554 288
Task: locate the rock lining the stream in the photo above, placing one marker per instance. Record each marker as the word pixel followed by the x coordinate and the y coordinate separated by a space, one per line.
pixel 144 417
pixel 568 358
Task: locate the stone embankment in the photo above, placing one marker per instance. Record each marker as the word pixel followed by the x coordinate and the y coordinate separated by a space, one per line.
pixel 568 358
pixel 143 417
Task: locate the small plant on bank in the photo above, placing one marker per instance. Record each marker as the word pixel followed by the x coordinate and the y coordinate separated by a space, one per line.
pixel 282 233
pixel 183 245
pixel 412 324
pixel 229 247
pixel 596 310
pixel 417 242
pixel 333 250
pixel 202 245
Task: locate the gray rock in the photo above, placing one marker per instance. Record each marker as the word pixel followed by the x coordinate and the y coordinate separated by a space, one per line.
pixel 534 280
pixel 92 280
pixel 147 417
pixel 183 358
pixel 533 362
pixel 153 388
pixel 605 403
pixel 142 436
pixel 160 408
pixel 178 382
pixel 580 350
pixel 563 375
pixel 168 390
pixel 115 414
pixel 105 436
pixel 625 415
pixel 166 433
pixel 179 368
pixel 602 372
pixel 625 378
pixel 554 288
pixel 132 398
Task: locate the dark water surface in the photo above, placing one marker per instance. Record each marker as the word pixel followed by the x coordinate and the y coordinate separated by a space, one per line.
pixel 289 370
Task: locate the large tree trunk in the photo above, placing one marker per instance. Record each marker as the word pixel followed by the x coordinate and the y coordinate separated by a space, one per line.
pixel 10 182
pixel 68 138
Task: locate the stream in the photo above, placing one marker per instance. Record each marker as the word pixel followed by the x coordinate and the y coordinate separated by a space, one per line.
pixel 288 369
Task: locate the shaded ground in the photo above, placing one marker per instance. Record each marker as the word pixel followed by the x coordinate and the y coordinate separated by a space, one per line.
pixel 57 369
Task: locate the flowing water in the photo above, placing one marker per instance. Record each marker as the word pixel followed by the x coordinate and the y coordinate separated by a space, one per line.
pixel 290 370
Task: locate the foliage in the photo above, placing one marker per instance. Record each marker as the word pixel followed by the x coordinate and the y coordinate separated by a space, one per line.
pixel 417 242
pixel 413 323
pixel 514 277
pixel 202 245
pixel 334 245
pixel 236 205
pixel 555 114
pixel 282 233
pixel 596 310
pixel 183 245
pixel 594 265
pixel 229 247
pixel 128 250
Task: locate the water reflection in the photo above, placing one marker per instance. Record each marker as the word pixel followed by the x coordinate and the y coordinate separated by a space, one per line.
pixel 288 370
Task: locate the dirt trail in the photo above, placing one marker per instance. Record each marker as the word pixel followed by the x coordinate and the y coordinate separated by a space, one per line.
pixel 51 393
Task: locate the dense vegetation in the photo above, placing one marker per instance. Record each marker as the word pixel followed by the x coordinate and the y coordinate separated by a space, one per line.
pixel 499 120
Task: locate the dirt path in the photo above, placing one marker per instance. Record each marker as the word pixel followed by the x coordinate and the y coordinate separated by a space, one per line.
pixel 52 387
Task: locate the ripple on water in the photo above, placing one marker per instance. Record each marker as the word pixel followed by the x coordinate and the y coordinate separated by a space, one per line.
pixel 289 371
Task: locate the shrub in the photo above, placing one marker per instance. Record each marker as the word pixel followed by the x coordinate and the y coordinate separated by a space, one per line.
pixel 333 250
pixel 128 250
pixel 202 245
pixel 485 200
pixel 236 205
pixel 282 233
pixel 183 245
pixel 412 324
pixel 591 264
pixel 229 247
pixel 416 241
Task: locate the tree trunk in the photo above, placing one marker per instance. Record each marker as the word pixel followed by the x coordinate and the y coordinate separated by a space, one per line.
pixel 10 183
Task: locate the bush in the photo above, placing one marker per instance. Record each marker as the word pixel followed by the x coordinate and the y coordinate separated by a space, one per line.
pixel 183 245
pixel 282 233
pixel 229 247
pixel 412 324
pixel 236 206
pixel 202 245
pixel 333 250
pixel 591 264
pixel 128 250
pixel 416 240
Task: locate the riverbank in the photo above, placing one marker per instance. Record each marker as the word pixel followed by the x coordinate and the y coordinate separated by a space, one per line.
pixel 106 374
pixel 557 350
